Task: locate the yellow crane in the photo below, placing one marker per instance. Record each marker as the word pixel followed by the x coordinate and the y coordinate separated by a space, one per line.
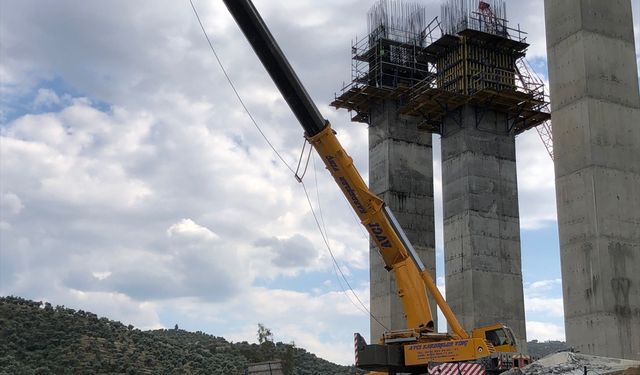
pixel 410 350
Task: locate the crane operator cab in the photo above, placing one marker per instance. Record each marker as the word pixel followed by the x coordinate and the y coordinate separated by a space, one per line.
pixel 498 335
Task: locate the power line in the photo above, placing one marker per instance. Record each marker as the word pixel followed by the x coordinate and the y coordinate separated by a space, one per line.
pixel 325 237
pixel 253 120
pixel 326 242
pixel 334 264
pixel 255 123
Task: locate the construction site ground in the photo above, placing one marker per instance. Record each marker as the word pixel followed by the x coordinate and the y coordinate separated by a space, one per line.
pixel 568 363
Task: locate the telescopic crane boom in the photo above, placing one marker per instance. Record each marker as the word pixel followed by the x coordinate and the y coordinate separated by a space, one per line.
pixel 406 350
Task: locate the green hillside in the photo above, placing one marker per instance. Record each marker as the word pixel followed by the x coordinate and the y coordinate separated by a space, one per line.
pixel 539 349
pixel 37 338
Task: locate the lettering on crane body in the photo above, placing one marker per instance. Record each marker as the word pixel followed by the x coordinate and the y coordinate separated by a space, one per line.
pixel 438 351
pixel 378 234
pixel 352 194
pixel 442 344
pixel 332 163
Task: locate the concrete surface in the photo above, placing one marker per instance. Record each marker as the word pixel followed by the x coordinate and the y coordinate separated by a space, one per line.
pixel 566 363
pixel 483 272
pixel 596 136
pixel 400 172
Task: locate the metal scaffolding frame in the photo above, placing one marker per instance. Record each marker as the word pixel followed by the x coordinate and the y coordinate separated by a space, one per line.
pixel 472 57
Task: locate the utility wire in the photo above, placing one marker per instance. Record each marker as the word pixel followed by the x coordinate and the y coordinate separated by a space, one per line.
pixel 253 120
pixel 255 123
pixel 349 209
pixel 325 236
pixel 326 242
pixel 315 178
pixel 357 220
pixel 334 265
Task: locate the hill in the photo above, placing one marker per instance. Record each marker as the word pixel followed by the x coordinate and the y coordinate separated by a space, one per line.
pixel 38 338
pixel 539 349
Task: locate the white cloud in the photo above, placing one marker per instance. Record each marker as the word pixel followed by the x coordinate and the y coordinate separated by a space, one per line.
pixel 543 331
pixel 188 228
pixel 75 155
pixel 544 310
pixel 144 196
pixel 536 182
pixel 324 323
pixel 46 98
pixel 547 306
pixel 544 284
pixel 10 204
pixel 101 275
pixel 296 251
pixel 543 298
pixel 114 306
pixel 106 187
pixel 529 16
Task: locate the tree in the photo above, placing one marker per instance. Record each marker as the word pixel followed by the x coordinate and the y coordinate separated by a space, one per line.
pixel 288 358
pixel 264 334
pixel 36 341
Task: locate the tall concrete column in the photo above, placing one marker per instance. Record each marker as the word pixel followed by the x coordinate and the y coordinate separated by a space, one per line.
pixel 481 221
pixel 596 136
pixel 401 173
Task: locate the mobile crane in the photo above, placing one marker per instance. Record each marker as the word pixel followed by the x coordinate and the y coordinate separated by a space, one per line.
pixel 410 350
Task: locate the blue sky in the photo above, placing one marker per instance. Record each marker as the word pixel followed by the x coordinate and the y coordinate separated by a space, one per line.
pixel 132 184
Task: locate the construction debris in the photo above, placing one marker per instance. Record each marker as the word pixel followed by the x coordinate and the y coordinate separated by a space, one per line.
pixel 568 363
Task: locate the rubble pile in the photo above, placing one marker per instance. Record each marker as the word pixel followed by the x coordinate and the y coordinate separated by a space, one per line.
pixel 567 363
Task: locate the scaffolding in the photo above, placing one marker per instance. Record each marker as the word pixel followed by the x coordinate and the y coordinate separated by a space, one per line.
pixel 471 57
pixel 389 61
pixel 489 16
pixel 528 78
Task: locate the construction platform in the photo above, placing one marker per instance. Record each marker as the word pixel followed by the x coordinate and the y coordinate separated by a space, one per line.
pixel 434 74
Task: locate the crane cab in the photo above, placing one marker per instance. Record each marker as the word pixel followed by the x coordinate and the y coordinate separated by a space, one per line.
pixel 498 335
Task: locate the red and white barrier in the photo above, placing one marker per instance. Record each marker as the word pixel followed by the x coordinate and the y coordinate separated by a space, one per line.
pixel 458 369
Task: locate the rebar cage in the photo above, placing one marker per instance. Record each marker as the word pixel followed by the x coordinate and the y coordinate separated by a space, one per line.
pixel 468 55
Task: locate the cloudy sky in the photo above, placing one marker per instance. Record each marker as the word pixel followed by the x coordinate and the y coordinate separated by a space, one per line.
pixel 133 184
